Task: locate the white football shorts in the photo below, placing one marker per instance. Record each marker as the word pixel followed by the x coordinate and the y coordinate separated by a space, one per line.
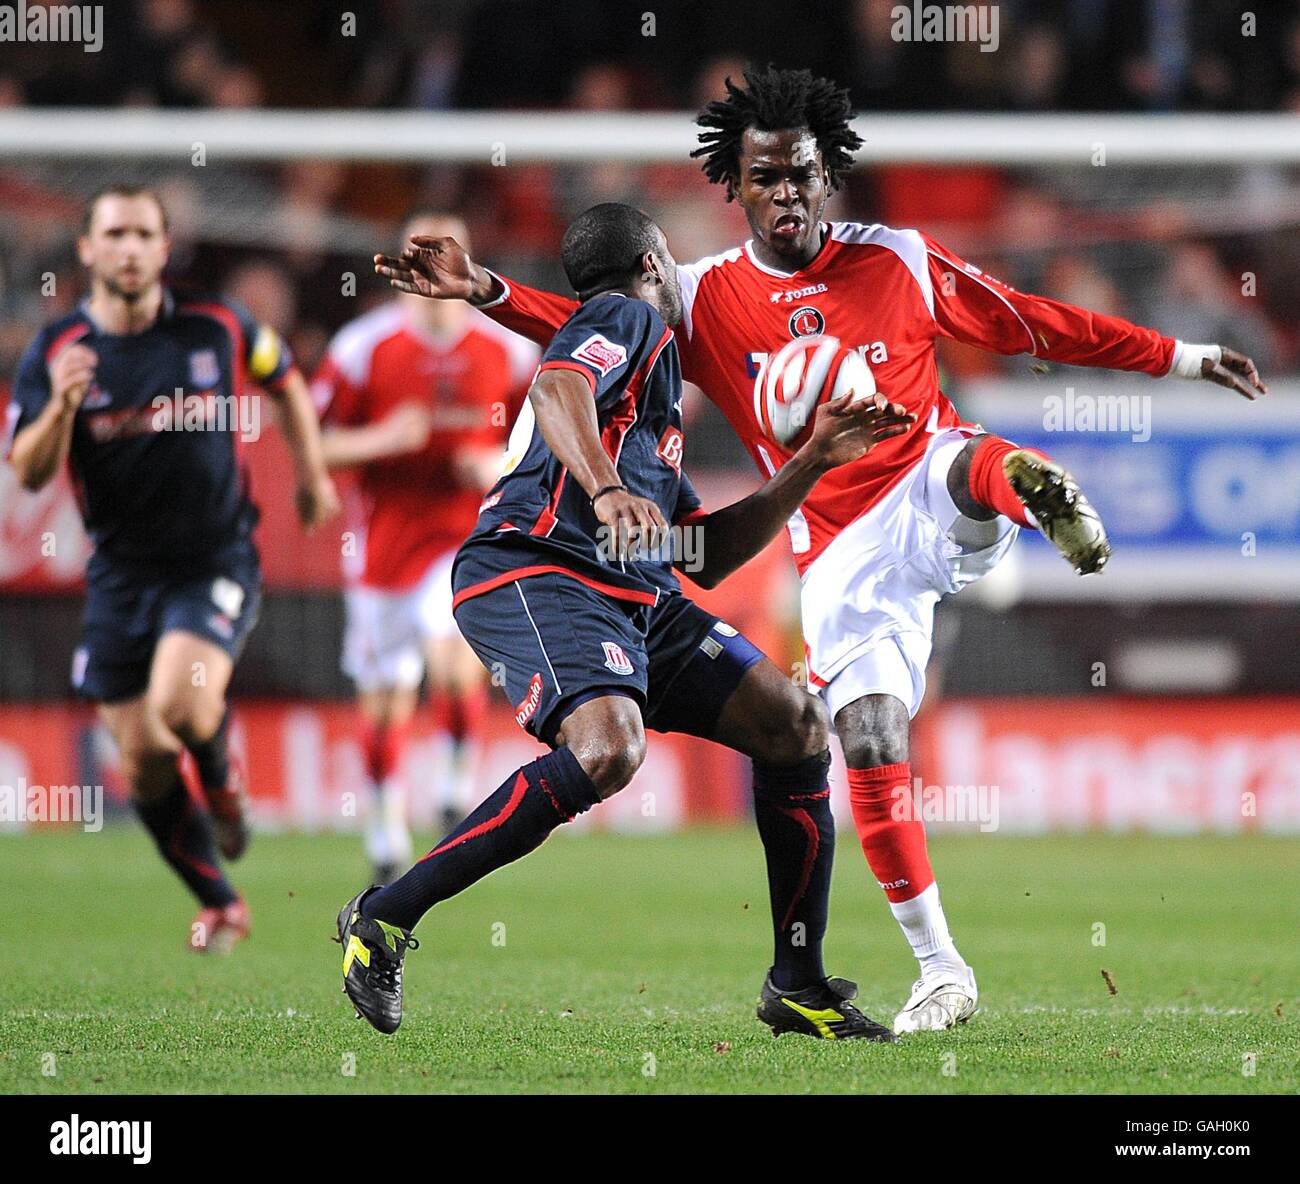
pixel 386 632
pixel 868 600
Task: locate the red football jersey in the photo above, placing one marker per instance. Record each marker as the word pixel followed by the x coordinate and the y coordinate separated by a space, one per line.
pixel 890 294
pixel 416 507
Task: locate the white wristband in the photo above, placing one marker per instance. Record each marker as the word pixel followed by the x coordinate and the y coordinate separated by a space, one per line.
pixel 1188 358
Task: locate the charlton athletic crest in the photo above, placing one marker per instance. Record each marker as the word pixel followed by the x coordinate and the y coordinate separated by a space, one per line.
pixel 204 370
pixel 616 659
pixel 806 322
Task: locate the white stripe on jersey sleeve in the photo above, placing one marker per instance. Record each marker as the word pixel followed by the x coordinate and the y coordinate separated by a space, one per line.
pixel 353 346
pixel 908 245
pixel 689 275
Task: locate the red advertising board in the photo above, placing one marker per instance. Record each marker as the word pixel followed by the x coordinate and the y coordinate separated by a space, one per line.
pixel 1027 766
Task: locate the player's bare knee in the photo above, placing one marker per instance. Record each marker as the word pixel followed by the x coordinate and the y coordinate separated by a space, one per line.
pixel 612 761
pixel 610 746
pixel 194 718
pixel 801 730
pixel 874 731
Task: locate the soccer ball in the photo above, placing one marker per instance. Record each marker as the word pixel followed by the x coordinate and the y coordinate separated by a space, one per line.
pixel 802 374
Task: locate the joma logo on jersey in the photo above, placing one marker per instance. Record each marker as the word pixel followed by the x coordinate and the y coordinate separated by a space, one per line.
pixel 615 659
pixel 807 322
pixel 797 294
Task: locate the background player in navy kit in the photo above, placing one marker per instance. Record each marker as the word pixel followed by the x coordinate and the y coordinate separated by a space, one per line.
pixel 174 582
pixel 565 587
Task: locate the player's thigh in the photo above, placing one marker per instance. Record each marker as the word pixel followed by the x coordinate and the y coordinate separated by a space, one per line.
pixel 709 680
pixel 770 718
pixel 187 683
pixel 452 665
pixel 552 643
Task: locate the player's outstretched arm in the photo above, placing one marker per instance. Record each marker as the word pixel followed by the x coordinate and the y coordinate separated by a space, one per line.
pixel 403 431
pixel 842 432
pixel 440 268
pixel 566 416
pixel 40 448
pixel 974 307
pixel 316 499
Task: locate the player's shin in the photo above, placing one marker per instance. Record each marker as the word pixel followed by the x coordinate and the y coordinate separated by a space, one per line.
pixel 793 813
pixel 893 840
pixel 180 830
pixel 459 714
pixel 388 840
pixel 222 782
pixel 513 821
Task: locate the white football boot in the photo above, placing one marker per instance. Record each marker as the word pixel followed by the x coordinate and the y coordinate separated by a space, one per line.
pixel 940 1002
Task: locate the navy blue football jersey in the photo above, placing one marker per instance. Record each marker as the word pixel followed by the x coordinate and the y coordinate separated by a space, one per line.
pixel 536 513
pixel 155 446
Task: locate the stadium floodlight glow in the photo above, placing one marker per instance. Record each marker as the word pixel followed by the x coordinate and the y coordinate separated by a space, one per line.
pixel 567 137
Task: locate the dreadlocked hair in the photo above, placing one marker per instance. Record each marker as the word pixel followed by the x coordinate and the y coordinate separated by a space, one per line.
pixel 774 100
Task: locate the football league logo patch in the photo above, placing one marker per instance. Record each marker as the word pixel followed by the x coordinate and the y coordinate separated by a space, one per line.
pixel 205 371
pixel 615 659
pixel 228 596
pixel 602 353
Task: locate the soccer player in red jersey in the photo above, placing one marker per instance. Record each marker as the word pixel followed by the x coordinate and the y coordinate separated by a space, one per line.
pixel 416 396
pixel 878 541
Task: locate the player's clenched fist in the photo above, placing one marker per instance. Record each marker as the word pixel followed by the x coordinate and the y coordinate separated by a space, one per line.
pixel 317 502
pixel 71 374
pixel 631 524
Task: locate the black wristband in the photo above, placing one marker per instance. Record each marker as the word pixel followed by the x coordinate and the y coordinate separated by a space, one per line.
pixel 606 489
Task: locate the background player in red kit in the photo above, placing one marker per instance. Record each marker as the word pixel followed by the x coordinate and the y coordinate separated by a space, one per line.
pixel 417 395
pixel 879 541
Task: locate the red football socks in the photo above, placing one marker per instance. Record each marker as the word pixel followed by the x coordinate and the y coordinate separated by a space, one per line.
pixel 890 830
pixel 989 487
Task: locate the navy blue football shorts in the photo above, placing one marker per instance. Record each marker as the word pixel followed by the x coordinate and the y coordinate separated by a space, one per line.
pixel 555 643
pixel 131 604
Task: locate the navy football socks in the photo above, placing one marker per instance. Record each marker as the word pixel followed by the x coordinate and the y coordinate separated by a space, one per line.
pixel 792 806
pixel 180 829
pixel 212 757
pixel 515 820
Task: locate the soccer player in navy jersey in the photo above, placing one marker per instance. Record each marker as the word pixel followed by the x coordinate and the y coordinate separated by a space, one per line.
pixel 141 392
pixel 566 588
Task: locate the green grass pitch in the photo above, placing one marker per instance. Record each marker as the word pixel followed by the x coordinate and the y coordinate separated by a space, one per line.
pixel 607 964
